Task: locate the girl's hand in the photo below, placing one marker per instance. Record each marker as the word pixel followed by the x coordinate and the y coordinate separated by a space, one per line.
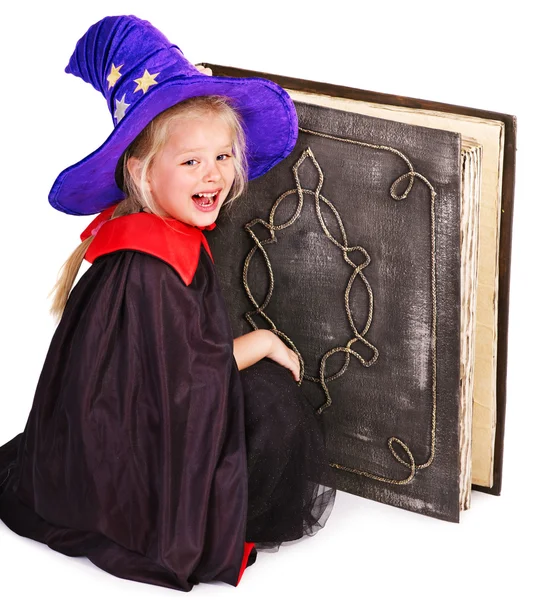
pixel 282 354
pixel 203 69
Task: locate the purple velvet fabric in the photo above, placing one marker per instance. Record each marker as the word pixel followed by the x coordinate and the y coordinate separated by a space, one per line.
pixel 133 46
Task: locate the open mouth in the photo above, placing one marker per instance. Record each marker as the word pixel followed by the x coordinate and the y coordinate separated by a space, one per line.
pixel 206 199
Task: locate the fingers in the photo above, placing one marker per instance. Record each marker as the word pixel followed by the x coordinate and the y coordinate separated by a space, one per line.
pixel 296 365
pixel 285 356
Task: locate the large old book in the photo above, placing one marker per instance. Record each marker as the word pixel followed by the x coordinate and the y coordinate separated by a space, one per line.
pixel 379 250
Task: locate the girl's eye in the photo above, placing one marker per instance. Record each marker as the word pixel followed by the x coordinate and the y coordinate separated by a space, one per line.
pixel 193 160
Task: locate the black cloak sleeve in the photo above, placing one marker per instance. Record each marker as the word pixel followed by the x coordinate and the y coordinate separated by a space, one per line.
pixel 134 451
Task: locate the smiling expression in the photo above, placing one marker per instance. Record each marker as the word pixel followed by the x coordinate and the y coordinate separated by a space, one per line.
pixel 196 159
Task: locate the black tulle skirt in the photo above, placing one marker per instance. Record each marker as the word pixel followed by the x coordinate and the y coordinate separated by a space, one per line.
pixel 286 457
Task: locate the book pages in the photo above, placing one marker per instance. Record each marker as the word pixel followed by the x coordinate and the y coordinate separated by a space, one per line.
pixel 469 232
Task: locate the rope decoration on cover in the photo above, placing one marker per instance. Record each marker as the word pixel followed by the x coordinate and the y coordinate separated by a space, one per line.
pixel 411 175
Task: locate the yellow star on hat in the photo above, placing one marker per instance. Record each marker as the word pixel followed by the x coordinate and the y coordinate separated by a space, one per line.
pixel 145 81
pixel 114 75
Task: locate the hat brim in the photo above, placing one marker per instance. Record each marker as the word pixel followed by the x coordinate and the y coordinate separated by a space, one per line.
pixel 270 126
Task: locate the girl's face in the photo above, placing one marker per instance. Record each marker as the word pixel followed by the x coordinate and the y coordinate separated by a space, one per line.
pixel 196 159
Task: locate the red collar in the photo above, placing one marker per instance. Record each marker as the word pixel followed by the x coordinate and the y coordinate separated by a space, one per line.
pixel 171 240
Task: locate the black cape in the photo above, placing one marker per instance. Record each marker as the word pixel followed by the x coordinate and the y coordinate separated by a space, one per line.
pixel 145 448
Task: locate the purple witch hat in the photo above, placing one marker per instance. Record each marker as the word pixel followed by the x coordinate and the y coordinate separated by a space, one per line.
pixel 141 74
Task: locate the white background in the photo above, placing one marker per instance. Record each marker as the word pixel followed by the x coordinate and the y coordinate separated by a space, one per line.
pixel 488 55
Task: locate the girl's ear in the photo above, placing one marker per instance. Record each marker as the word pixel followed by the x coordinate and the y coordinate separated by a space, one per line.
pixel 134 166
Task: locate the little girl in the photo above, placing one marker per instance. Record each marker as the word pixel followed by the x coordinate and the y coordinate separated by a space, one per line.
pixel 145 448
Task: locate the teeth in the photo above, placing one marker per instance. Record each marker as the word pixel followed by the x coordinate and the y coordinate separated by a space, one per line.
pixel 206 199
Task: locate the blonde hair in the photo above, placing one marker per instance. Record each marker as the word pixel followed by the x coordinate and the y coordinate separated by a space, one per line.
pixel 137 195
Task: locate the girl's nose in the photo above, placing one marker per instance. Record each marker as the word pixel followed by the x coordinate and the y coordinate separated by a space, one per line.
pixel 212 172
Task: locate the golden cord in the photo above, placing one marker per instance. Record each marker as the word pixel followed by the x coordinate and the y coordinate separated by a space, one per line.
pixel 411 174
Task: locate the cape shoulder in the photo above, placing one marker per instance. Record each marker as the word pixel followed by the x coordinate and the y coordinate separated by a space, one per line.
pixel 174 242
